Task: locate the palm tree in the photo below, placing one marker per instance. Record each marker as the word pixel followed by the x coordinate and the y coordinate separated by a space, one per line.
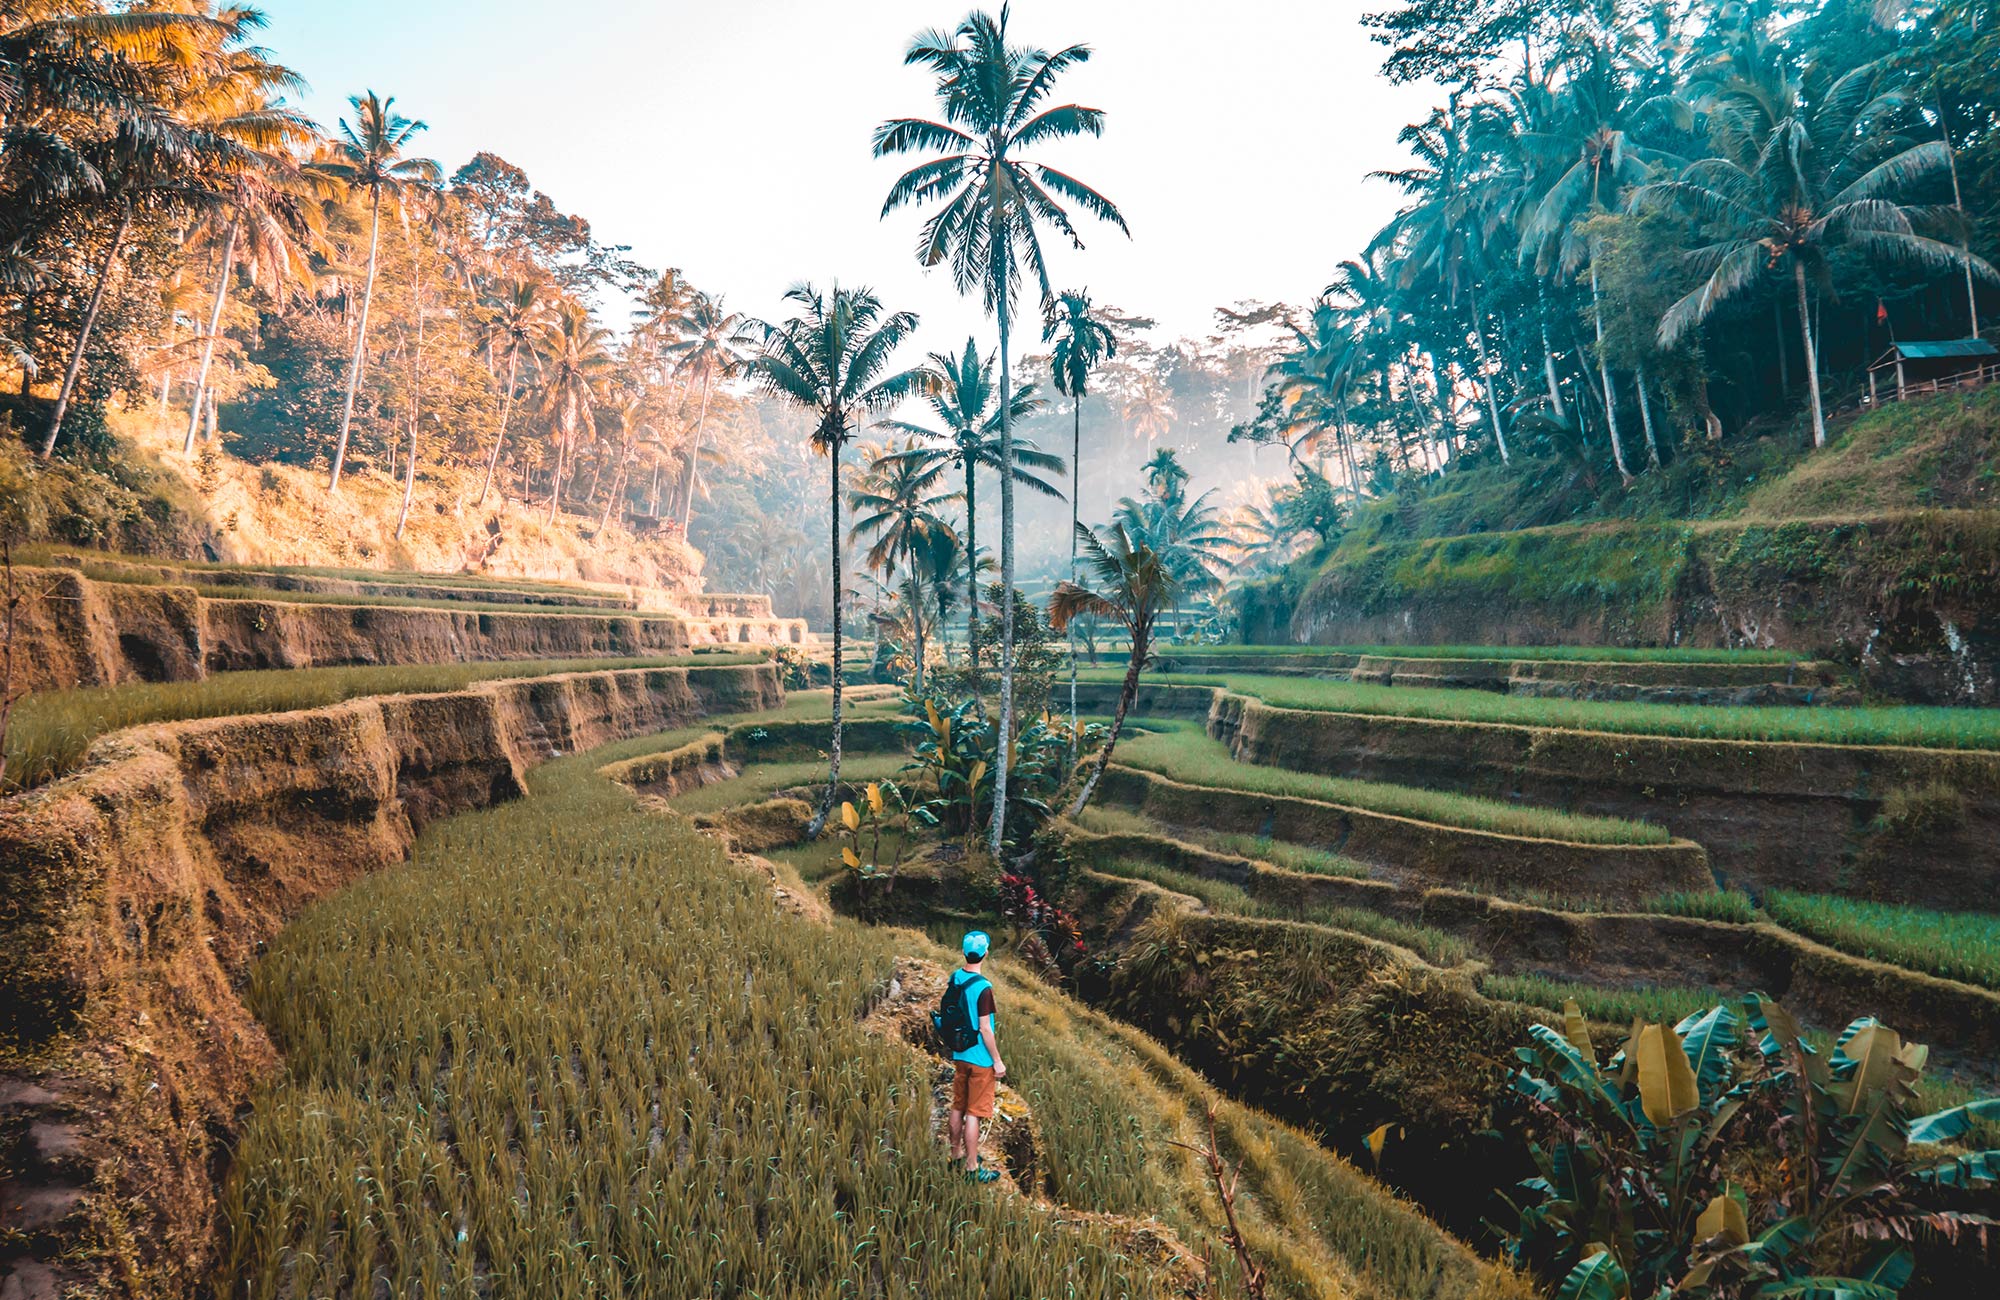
pixel 831 359
pixel 162 154
pixel 370 156
pixel 634 420
pixel 712 343
pixel 515 321
pixel 1082 343
pixel 897 503
pixel 960 392
pixel 576 365
pixel 1149 411
pixel 1792 182
pixel 994 202
pixel 1134 586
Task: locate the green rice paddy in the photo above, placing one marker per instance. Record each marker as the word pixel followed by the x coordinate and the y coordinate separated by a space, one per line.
pixel 1568 653
pixel 1957 945
pixel 1182 751
pixel 1923 727
pixel 51 731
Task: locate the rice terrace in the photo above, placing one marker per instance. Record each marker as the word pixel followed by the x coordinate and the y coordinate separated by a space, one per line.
pixel 1331 651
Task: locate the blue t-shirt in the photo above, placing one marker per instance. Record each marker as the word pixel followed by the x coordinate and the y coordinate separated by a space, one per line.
pixel 978 993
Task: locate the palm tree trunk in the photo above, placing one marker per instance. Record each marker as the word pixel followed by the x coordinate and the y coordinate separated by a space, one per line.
pixel 416 386
pixel 506 410
pixel 1646 417
pixel 818 822
pixel 617 486
pixel 916 594
pixel 1549 355
pixel 360 343
pixel 1604 374
pixel 1812 357
pixel 1492 402
pixel 1784 353
pixel 694 454
pixel 1075 481
pixel 83 333
pixel 998 835
pixel 208 344
pixel 1127 692
pixel 562 455
pixel 972 576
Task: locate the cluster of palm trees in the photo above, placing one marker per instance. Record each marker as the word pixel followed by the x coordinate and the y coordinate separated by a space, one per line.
pixel 1633 224
pixel 992 204
pixel 164 213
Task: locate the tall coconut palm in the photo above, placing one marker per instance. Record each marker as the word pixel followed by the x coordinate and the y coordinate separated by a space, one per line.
pixel 576 366
pixel 1149 411
pixel 163 153
pixel 371 155
pixel 1792 182
pixel 711 344
pixel 1132 587
pixel 265 200
pixel 513 324
pixel 897 504
pixel 994 203
pixel 832 361
pixel 1083 342
pixel 961 393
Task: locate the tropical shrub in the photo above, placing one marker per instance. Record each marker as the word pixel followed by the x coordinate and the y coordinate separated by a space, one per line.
pixel 1724 1156
pixel 953 750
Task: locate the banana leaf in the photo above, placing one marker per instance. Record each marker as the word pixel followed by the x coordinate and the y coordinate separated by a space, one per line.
pixel 1595 1278
pixel 1944 1125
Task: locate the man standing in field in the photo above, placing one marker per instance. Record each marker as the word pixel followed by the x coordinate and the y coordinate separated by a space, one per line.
pixel 965 1021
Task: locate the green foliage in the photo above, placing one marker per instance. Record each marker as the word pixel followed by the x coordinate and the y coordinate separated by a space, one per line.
pixel 1724 1155
pixel 1957 945
pixel 953 752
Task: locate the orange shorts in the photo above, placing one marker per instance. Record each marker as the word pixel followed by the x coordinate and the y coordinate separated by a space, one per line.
pixel 972 1090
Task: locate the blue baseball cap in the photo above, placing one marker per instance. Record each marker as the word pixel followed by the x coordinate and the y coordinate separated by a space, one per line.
pixel 976 943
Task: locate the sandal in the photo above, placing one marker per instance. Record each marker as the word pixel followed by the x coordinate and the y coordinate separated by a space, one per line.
pixel 982 1175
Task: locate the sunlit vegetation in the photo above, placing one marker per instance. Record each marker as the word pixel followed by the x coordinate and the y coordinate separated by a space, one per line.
pixel 1609 1005
pixel 1923 727
pixel 1560 653
pixel 1957 945
pixel 50 733
pixel 1184 753
pixel 1279 853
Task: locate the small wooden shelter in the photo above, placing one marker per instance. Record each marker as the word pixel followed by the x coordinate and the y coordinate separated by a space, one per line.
pixel 1938 365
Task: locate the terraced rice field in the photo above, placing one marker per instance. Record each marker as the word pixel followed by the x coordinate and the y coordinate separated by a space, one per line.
pixel 571 1049
pixel 1922 727
pixel 1559 654
pixel 1184 752
pixel 1957 945
pixel 50 732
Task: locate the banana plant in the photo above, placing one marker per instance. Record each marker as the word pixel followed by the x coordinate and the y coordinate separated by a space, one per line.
pixel 1727 1156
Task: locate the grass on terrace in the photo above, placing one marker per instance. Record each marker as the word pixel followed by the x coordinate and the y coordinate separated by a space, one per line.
pixel 1182 751
pixel 1578 653
pixel 1934 728
pixel 1957 945
pixel 570 1050
pixel 51 732
pixel 1279 853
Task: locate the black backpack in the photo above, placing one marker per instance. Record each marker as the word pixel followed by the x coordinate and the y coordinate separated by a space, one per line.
pixel 952 1021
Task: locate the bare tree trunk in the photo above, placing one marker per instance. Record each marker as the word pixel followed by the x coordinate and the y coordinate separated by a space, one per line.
pixel 68 388
pixel 617 486
pixel 818 822
pixel 1646 417
pixel 1005 750
pixel 1784 353
pixel 1492 402
pixel 1075 483
pixel 1812 357
pixel 694 455
pixel 972 577
pixel 416 385
pixel 360 343
pixel 1604 374
pixel 208 344
pixel 506 411
pixel 1127 692
pixel 1548 354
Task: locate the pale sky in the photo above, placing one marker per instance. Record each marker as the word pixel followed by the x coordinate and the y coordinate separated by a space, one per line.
pixel 731 138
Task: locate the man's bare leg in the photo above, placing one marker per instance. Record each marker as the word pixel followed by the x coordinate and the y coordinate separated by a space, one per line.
pixel 954 1127
pixel 971 1143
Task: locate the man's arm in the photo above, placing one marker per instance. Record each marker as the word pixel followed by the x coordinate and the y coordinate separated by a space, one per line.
pixel 992 1046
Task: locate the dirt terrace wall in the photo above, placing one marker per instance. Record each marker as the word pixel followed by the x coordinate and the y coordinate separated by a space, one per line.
pixel 137 891
pixel 319 584
pixel 1913 599
pixel 1417 852
pixel 76 632
pixel 1961 1021
pixel 1794 816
